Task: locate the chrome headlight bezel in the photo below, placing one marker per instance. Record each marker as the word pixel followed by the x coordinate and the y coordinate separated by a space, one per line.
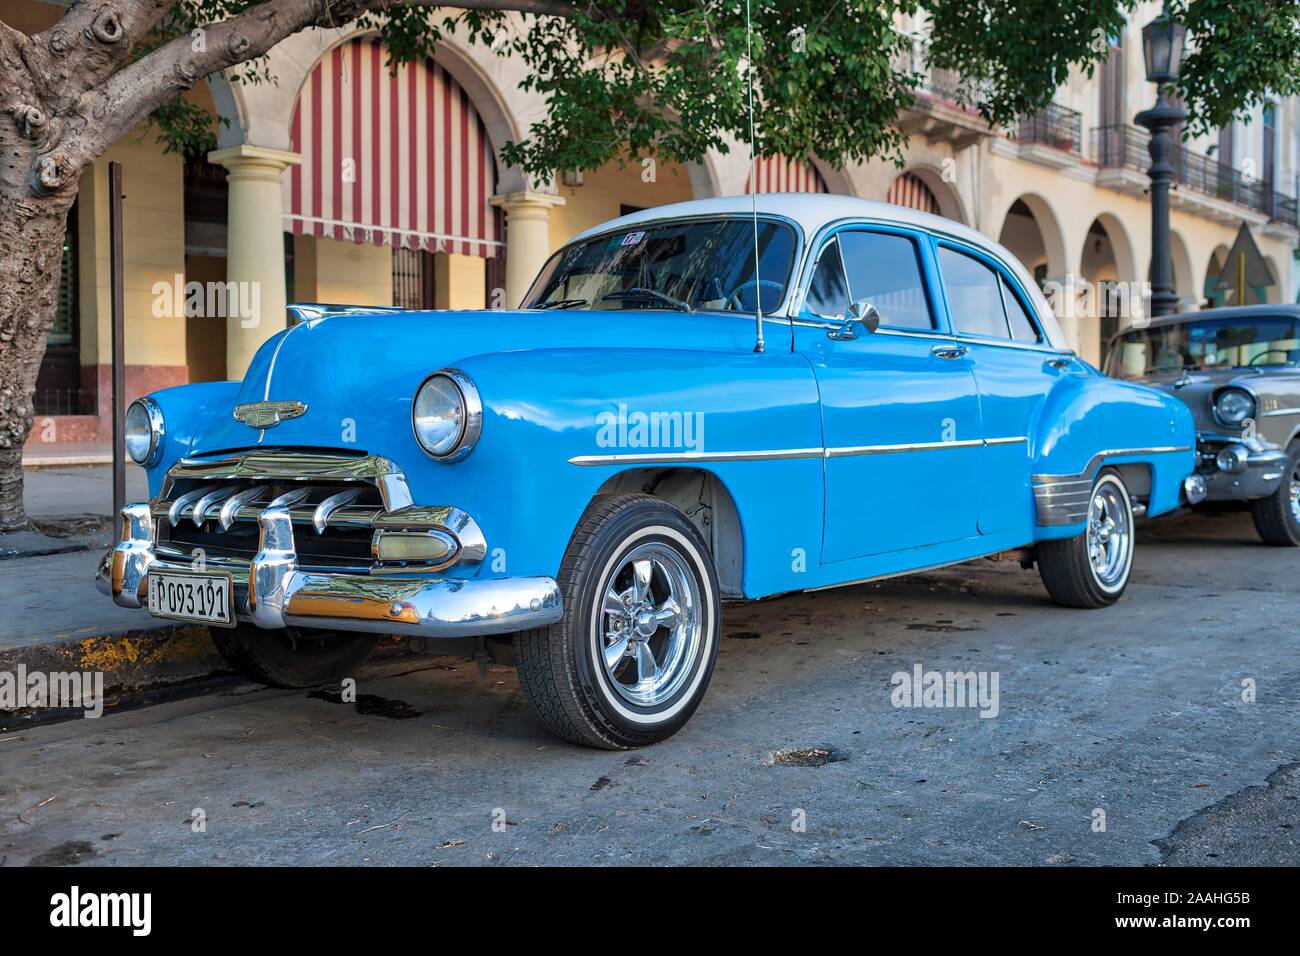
pixel 471 416
pixel 1248 410
pixel 153 421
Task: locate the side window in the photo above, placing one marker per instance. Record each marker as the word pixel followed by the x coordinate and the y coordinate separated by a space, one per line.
pixel 828 295
pixel 1023 326
pixel 974 295
pixel 885 270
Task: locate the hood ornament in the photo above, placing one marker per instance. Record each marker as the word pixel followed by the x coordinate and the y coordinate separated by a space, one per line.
pixel 268 414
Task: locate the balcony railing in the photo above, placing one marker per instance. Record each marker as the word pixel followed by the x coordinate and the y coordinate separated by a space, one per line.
pixel 946 84
pixel 1056 125
pixel 1126 147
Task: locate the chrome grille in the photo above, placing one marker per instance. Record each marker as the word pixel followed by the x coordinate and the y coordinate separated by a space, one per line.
pixel 338 506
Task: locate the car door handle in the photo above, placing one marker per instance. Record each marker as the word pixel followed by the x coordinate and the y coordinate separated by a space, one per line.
pixel 949 351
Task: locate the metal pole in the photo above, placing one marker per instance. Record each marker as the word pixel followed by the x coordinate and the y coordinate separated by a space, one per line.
pixel 1161 120
pixel 119 353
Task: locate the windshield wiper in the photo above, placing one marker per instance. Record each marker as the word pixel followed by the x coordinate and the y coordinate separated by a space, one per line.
pixel 648 295
pixel 561 304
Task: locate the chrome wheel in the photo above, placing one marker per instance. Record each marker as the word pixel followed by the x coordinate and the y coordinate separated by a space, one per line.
pixel 1294 494
pixel 651 624
pixel 1110 534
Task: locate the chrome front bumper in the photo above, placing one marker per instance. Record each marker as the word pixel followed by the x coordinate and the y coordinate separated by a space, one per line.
pixel 1239 469
pixel 272 591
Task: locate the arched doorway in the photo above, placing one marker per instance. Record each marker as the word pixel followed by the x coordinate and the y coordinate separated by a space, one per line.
pixel 1110 299
pixel 911 191
pixel 394 186
pixel 924 189
pixel 780 174
pixel 1211 296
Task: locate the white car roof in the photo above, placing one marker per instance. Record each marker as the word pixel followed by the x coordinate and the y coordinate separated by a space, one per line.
pixel 813 211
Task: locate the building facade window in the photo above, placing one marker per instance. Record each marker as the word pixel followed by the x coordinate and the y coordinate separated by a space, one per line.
pixel 59 388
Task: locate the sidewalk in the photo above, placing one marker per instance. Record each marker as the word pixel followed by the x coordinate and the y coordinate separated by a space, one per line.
pixel 67 453
pixel 52 618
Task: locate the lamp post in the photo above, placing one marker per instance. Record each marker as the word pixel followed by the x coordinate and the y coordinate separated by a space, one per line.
pixel 1162 50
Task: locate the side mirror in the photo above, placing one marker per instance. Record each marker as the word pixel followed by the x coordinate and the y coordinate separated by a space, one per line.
pixel 860 313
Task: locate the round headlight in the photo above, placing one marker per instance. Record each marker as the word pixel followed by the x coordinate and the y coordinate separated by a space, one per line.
pixel 143 431
pixel 1234 406
pixel 446 415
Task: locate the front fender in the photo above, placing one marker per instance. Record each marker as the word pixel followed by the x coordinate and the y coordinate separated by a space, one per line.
pixel 545 408
pixel 187 411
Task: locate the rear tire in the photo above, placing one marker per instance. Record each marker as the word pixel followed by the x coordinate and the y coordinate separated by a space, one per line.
pixel 1277 517
pixel 292 657
pixel 1091 570
pixel 632 658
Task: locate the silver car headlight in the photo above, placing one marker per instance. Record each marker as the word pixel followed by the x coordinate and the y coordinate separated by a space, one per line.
pixel 447 415
pixel 144 432
pixel 1233 407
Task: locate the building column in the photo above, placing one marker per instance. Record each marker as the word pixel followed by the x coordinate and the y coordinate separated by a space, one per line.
pixel 254 245
pixel 528 238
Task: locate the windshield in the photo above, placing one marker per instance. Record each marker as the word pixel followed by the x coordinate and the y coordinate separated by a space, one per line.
pixel 700 264
pixel 1263 342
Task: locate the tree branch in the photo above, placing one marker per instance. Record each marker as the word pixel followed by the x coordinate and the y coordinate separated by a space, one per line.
pixel 92 40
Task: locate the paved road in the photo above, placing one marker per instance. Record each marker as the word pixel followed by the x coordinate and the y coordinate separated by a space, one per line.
pixel 1136 712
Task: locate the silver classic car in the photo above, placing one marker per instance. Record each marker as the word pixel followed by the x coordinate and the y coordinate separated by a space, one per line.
pixel 1238 370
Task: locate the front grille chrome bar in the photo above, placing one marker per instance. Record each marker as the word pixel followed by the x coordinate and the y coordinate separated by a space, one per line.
pixel 219 494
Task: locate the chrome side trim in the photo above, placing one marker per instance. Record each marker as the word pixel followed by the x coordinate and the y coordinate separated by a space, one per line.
pixel 782 454
pixel 1095 462
pixel 1280 411
pixel 776 454
pixel 1064 499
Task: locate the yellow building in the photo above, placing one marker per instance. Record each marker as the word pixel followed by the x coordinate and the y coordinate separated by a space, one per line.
pixel 342 183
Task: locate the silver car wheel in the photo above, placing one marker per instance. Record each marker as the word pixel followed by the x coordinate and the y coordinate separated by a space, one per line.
pixel 1110 534
pixel 651 624
pixel 1295 494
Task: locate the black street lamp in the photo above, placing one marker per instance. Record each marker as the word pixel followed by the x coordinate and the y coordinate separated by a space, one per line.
pixel 1162 49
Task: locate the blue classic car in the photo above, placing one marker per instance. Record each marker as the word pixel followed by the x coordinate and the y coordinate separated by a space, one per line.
pixel 697 403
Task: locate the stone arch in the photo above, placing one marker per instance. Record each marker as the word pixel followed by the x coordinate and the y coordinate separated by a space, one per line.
pixel 260 114
pixel 1032 232
pixel 949 201
pixel 1108 267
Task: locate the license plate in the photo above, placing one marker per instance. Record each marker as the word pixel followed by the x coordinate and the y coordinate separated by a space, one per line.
pixel 204 598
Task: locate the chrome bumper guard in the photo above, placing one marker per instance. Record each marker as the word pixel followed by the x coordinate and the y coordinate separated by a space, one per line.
pixel 1239 469
pixel 272 592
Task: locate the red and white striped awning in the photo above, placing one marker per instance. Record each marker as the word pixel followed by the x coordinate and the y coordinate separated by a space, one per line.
pixel 390 159
pixel 911 191
pixel 777 174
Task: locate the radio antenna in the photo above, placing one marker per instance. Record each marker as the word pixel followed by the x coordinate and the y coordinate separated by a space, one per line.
pixel 753 179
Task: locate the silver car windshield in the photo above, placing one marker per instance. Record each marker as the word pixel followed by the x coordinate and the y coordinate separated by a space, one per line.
pixel 690 265
pixel 1255 342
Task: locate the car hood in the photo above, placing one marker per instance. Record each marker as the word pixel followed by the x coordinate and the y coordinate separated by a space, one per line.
pixel 357 373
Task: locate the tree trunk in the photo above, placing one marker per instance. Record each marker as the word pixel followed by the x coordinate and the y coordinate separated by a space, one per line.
pixel 31 255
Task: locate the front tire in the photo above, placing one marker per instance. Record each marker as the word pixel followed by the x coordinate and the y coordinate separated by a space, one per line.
pixel 1277 517
pixel 292 657
pixel 632 658
pixel 1091 570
